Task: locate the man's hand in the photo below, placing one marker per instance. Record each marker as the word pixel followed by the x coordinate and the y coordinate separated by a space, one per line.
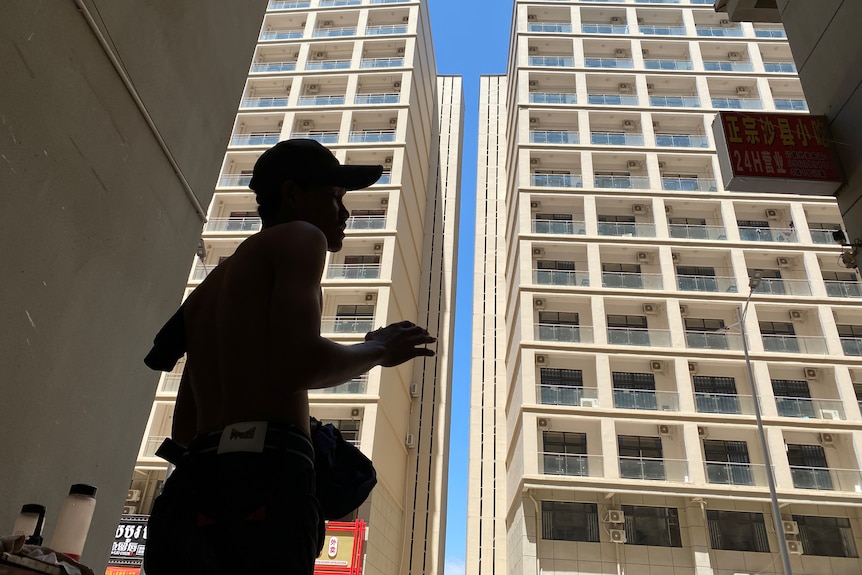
pixel 399 342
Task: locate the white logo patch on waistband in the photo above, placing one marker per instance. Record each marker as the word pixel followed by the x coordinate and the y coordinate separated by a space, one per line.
pixel 248 436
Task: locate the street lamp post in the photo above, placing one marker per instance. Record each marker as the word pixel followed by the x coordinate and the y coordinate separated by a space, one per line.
pixel 753 282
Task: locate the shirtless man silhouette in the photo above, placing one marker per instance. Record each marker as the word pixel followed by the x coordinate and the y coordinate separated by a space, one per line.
pixel 242 498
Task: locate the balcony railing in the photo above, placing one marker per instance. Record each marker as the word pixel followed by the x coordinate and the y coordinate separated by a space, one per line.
pixel 391 62
pixel 810 408
pixel 571 464
pixel 554 137
pixel 724 403
pixel 332 32
pixel 738 103
pixel 750 234
pixel 726 473
pixel 656 1
pixel 822 237
pixel 769 33
pixel 626 230
pixel 826 478
pixel 552 61
pixel 324 137
pixel 780 67
pixel 668 64
pixel 622 182
pixel 553 98
pixel 852 346
pixel 794 344
pixel 384 179
pixel 681 141
pixel 234 180
pixel 280 34
pixel 838 288
pixel 268 102
pixel 663 30
pixel 604 29
pixel 258 139
pixel 357 385
pixel 556 180
pixel 727 66
pixel 638 336
pixel 631 280
pixel 346 324
pixel 564 333
pixel 712 340
pixel 366 222
pixel 675 101
pixel 372 136
pixel 552 27
pixel 718 284
pixel 778 286
pixel 152 445
pixel 616 139
pixel 697 232
pixel 733 31
pixel 171 382
pixel 689 184
pixel 646 399
pixel 334 64
pixel 259 67
pixel 201 271
pixel 386 29
pixel 353 271
pixel 327 3
pixel 377 98
pixel 613 99
pixel 330 100
pixel 577 396
pixel 609 63
pixel 653 469
pixel 794 104
pixel 288 4
pixel 250 224
pixel 561 278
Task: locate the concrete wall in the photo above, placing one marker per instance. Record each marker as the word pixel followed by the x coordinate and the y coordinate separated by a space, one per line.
pixel 97 230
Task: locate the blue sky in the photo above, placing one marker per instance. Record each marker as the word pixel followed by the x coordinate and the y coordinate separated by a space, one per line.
pixel 470 38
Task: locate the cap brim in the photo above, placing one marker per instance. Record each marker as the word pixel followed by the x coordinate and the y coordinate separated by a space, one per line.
pixel 354 177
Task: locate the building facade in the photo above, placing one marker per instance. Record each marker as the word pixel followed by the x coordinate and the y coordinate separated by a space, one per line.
pixel 358 76
pixel 612 412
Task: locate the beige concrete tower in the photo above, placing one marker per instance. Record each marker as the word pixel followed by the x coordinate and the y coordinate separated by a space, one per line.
pixel 359 76
pixel 612 426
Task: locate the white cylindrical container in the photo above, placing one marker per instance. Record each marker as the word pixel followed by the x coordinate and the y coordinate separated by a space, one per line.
pixel 29 520
pixel 73 523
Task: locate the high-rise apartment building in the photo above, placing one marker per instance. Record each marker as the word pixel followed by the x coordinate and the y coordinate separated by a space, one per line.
pixel 612 411
pixel 359 76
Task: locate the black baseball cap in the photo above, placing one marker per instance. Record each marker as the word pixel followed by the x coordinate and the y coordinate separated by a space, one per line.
pixel 308 162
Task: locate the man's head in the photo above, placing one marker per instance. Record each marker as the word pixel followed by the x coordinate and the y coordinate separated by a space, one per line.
pixel 302 180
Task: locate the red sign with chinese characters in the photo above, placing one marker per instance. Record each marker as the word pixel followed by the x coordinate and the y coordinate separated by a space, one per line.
pixel 343 549
pixel 786 147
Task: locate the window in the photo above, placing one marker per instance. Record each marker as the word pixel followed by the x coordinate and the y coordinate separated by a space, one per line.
pixel 641 457
pixel 696 278
pixel 622 275
pixel 634 390
pixel 826 536
pixel 561 386
pixel 737 531
pixel 617 226
pixel 558 317
pixel 778 336
pixel 792 398
pixel 567 521
pixel 694 228
pixel 627 329
pixel 559 326
pixel 808 467
pixel 658 526
pixel 705 333
pixel 727 463
pixel 550 223
pixel 565 453
pixel 354 318
pixel 556 272
pixel 715 394
pixel 851 338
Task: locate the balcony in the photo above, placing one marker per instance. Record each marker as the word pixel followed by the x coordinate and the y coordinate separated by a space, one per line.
pixel 259 67
pixel 571 395
pixel 235 180
pixel 638 336
pixel 794 344
pixel 808 408
pixel 689 184
pixel 654 469
pixel 616 139
pixel 622 182
pixel 201 271
pixel 712 340
pixel 738 103
pixel 720 31
pixel 331 100
pixel 778 286
pixel 549 27
pixel 268 102
pixel 852 346
pixel 288 4
pixel 726 473
pixel 753 234
pixel 255 139
pixel 727 66
pixel 626 230
pixel 384 179
pixel 334 64
pixel 724 403
pixel 604 29
pixel 656 1
pixel 612 99
pixel 232 225
pixel 564 333
pixel 552 61
pixel 327 3
pixel 372 136
pixel 609 63
pixel 322 136
pixel 629 280
pixel 357 385
pixel 681 141
pixel 384 29
pixel 646 399
pixel 826 478
pixel 382 98
pixel 556 180
pixel 388 1
pixel 390 62
pixel 554 137
pixel 667 64
pixel 334 32
pixel 697 232
pixel 675 101
pixel 171 382
pixel 780 67
pixel 662 30
pixel 346 324
pixel 152 445
pixel 366 223
pixel 793 104
pixel 822 237
pixel 770 33
pixel 570 464
pixel 280 34
pixel 353 271
pixel 553 98
pixel 715 284
pixel 561 278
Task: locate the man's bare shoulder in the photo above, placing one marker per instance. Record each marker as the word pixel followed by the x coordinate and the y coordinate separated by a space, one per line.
pixel 295 237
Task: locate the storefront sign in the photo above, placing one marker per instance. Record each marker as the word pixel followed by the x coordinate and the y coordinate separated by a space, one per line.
pixel 127 550
pixel 343 548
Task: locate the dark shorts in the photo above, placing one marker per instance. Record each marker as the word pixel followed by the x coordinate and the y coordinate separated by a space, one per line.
pixel 238 512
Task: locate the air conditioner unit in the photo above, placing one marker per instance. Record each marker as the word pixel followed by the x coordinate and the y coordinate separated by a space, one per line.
pixel 771 214
pixel 534 83
pixel 638 209
pixel 539 252
pixel 645 52
pixel 534 120
pixel 724 22
pixel 633 164
pixel 319 55
pixel 790 527
pixel 614 516
pixel 827 439
pixel 533 49
pixel 544 423
pixel 656 365
pixel 410 441
pixel 629 125
pixel 662 165
pixel 396 84
pixel 393 121
pixel 741 91
pixel 327 23
pixel 384 202
pixel 702 432
pixel 810 373
pixel 130 509
pixel 589 402
pixel 617 19
pixel 644 257
pixel 664 430
pixel 783 262
pixel 650 86
pixel 405 18
pixel 535 162
pixel 734 56
pixel 830 414
pixel 387 161
pixel 535 205
pixel 531 17
pixel 797 315
pixel 541 358
pixel 354 412
pixel 656 125
pixel 133 495
pixel 617 535
pixel 676 257
pixel 794 547
pixel 624 86
pixel 683 310
pixel 650 308
pixel 414 390
pixel 400 50
pixel 306 124
pixel 539 303
pixel 621 53
pixel 378 247
pixel 312 88
pixel 369 297
pixel 692 367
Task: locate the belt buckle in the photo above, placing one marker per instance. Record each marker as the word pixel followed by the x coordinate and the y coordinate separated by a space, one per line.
pixel 248 436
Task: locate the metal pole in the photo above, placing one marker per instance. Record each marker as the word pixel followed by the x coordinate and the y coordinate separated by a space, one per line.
pixel 770 479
